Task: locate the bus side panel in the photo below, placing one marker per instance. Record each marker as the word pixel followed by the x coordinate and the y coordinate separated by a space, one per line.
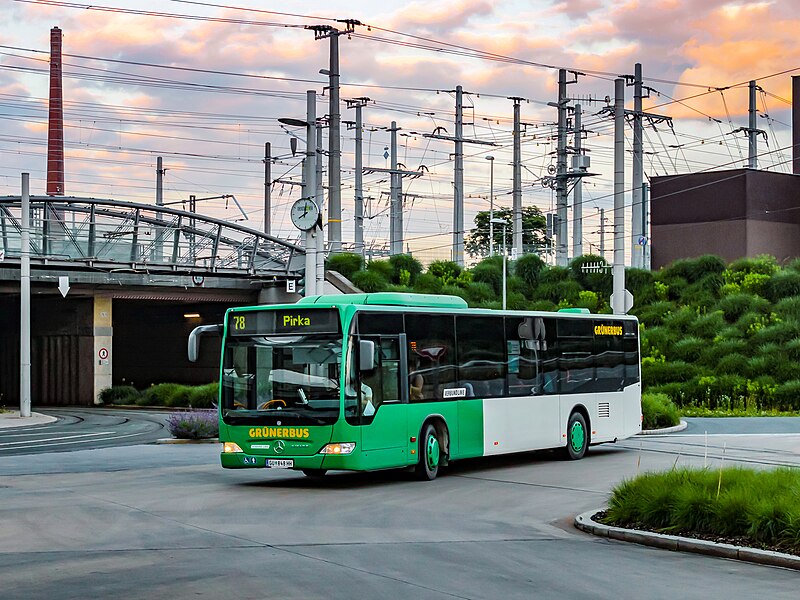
pixel 470 429
pixel 632 401
pixel 520 424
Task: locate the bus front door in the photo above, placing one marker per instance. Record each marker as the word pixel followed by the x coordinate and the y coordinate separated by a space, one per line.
pixel 384 404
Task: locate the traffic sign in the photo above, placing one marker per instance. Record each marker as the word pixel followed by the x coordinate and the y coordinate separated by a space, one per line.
pixel 102 354
pixel 63 285
pixel 642 240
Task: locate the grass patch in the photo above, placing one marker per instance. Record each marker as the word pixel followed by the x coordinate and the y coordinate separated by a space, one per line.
pixel 702 411
pixel 163 394
pixel 757 508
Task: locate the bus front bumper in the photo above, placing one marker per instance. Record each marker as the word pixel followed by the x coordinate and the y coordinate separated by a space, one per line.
pixel 242 460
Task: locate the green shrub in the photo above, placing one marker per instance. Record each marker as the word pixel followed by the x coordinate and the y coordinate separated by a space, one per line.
pixel 708 325
pixel 714 352
pixel 428 284
pixel 732 364
pixel 694 269
pixel 478 292
pixel 371 280
pixel 783 284
pixel 658 411
pixel 787 395
pixel 739 269
pixel 345 263
pixel 529 267
pixel 204 396
pixel 755 283
pixel 736 305
pixel 490 273
pixel 779 333
pixel 658 339
pixel 588 299
pixel 640 283
pixel 681 319
pixel 446 271
pixel 119 394
pixel 789 308
pixel 554 275
pixel 655 314
pixel 657 373
pixel 382 268
pixel 404 266
pixel 687 349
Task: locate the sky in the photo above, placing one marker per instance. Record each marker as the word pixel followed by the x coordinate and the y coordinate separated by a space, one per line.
pixel 202 85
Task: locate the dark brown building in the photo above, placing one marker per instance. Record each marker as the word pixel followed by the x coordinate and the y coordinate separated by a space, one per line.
pixel 736 213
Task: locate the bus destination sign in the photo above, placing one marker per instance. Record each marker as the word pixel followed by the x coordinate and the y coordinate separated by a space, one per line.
pixel 276 322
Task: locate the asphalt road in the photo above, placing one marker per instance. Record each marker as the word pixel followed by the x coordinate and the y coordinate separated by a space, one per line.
pixel 166 521
pixel 82 429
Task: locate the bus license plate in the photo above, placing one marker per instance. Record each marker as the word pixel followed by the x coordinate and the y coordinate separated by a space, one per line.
pixel 274 463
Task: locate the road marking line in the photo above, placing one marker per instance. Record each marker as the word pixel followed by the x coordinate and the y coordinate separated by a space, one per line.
pixel 69 437
pixel 116 437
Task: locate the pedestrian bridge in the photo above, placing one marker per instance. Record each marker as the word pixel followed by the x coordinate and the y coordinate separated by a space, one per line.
pixel 109 235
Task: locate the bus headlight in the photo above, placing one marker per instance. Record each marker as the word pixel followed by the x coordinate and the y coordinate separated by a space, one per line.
pixel 230 447
pixel 339 448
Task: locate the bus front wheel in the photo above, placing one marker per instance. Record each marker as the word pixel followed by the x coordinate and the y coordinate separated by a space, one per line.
pixel 429 454
pixel 577 437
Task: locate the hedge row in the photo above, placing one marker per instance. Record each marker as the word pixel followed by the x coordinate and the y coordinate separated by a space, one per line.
pixel 163 394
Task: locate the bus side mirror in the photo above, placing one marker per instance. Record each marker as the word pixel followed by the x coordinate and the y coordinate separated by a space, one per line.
pixel 194 339
pixel 366 354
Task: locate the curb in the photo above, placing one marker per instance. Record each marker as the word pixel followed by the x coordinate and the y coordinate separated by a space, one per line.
pixel 676 543
pixel 683 425
pixel 181 441
pixel 12 420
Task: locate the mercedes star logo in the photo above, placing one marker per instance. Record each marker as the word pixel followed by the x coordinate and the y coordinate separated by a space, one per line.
pixel 279 446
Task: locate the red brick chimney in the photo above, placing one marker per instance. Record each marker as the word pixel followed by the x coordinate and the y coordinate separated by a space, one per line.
pixel 55 128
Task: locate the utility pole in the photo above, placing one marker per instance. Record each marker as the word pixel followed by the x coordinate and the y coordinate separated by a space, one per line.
pixel 267 188
pixel 25 302
pixel 458 175
pixel 358 104
pixel 309 190
pixel 646 225
pixel 491 204
pixel 577 192
pixel 516 190
pixel 618 269
pixel 561 172
pixel 334 137
pixel 396 207
pixel 458 188
pixel 752 130
pixel 320 198
pixel 637 213
pixel 396 175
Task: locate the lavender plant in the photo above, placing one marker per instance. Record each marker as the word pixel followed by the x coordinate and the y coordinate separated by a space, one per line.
pixel 194 424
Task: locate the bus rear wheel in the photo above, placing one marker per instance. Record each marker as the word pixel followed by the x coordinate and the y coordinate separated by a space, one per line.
pixel 429 454
pixel 577 437
pixel 314 472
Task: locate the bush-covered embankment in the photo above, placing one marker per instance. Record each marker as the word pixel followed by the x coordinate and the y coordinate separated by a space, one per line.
pixel 733 505
pixel 716 338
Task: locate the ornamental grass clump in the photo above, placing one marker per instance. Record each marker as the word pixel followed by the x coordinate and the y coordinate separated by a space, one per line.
pixel 760 508
pixel 194 424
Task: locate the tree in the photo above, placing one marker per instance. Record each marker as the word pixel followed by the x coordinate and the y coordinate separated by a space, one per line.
pixel 534 238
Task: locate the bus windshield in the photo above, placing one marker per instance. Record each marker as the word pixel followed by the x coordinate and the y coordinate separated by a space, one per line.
pixel 293 379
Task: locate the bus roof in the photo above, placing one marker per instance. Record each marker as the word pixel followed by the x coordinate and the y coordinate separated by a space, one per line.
pixel 389 299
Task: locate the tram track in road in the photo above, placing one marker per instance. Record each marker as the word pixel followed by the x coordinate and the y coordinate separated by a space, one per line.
pixel 82 429
pixel 717 452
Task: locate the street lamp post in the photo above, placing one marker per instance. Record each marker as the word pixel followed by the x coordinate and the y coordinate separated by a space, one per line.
pixel 491 204
pixel 504 224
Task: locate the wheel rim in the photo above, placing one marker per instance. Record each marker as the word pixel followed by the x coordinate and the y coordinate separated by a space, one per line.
pixel 432 452
pixel 577 436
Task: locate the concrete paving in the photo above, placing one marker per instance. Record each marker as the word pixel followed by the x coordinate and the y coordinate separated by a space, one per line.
pixel 11 418
pixel 165 521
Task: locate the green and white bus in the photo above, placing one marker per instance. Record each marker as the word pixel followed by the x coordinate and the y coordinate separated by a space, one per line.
pixel 366 382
